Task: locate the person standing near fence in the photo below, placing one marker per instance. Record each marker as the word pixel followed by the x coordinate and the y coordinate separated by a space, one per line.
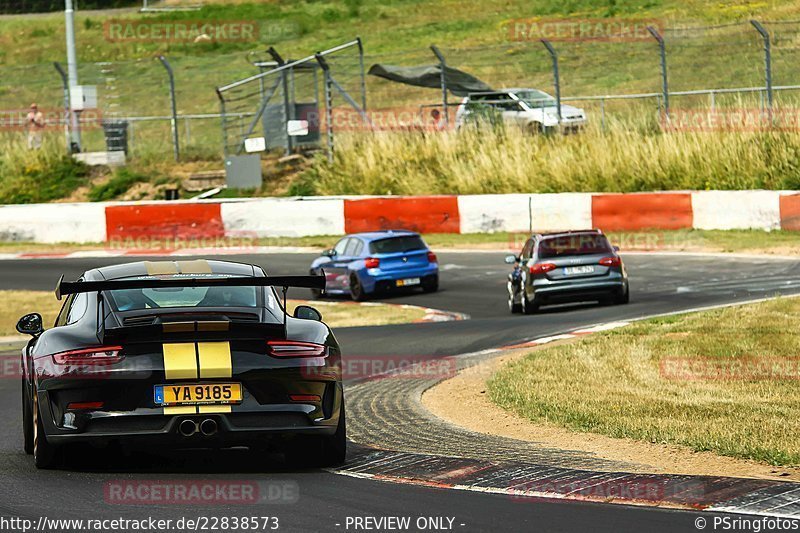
pixel 35 123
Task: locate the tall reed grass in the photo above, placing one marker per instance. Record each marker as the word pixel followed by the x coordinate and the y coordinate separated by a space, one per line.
pixel 623 157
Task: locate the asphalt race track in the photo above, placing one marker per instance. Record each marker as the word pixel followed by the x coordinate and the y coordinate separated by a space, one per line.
pixel 471 283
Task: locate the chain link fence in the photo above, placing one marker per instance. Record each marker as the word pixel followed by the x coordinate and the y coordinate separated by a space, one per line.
pixel 746 65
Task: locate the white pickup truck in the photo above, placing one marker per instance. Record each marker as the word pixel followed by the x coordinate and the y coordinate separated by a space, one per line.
pixel 532 110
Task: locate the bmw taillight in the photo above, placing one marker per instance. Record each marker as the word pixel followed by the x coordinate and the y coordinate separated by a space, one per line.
pixel 432 258
pixel 100 355
pixel 372 262
pixel 541 268
pixel 611 261
pixel 295 349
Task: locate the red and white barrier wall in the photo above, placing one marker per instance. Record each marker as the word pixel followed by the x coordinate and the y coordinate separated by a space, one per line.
pixel 295 217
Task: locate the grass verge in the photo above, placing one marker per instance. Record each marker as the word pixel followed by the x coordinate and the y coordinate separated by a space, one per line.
pixel 723 381
pixel 335 314
pixel 732 241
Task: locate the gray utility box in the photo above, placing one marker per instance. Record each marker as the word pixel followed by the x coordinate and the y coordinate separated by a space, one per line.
pixel 243 171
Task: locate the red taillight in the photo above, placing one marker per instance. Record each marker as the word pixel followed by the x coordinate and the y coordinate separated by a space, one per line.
pixel 295 349
pixel 100 355
pixel 611 261
pixel 304 398
pixel 541 268
pixel 432 258
pixel 77 406
pixel 372 262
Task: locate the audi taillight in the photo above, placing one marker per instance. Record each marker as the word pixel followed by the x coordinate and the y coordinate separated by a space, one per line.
pixel 101 355
pixel 295 349
pixel 541 268
pixel 372 262
pixel 611 261
pixel 432 258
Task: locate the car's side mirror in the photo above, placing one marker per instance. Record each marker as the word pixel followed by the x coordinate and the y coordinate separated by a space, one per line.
pixel 307 313
pixel 30 324
pixel 616 248
pixel 511 259
pixel 329 253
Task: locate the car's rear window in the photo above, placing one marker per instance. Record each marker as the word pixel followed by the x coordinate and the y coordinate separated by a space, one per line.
pixel 577 244
pixel 138 299
pixel 393 245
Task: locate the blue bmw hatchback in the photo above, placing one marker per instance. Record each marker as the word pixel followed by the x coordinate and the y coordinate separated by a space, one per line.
pixel 363 264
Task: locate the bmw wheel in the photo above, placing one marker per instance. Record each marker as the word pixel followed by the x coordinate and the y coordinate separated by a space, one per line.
pixel 356 289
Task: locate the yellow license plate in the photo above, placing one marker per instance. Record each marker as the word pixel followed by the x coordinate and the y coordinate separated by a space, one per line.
pixel 198 394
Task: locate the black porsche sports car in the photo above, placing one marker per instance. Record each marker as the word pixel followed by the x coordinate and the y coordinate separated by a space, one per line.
pixel 183 354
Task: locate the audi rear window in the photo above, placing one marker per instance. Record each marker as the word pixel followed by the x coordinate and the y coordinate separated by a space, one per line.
pixel 394 245
pixel 579 244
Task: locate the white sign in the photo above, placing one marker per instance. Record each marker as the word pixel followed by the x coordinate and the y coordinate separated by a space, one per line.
pixel 297 128
pixel 255 144
pixel 83 97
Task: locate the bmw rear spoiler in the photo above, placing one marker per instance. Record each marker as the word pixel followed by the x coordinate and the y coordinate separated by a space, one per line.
pixel 193 280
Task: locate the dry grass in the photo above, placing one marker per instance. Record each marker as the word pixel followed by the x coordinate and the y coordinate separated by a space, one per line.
pixel 623 383
pixel 335 314
pixel 627 157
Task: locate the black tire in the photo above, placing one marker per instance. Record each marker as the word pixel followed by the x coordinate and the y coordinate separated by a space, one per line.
pixel 514 308
pixel 356 289
pixel 320 452
pixel 45 454
pixel 623 298
pixel 27 419
pixel 430 284
pixel 528 307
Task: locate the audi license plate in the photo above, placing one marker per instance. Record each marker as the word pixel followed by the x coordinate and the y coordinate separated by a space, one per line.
pixel 198 394
pixel 586 269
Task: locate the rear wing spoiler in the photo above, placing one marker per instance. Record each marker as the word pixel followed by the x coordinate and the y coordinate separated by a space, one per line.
pixel 194 280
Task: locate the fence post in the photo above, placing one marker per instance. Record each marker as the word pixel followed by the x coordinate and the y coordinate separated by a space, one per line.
pixel 67 105
pixel 556 75
pixel 664 79
pixel 328 102
pixel 174 122
pixel 442 81
pixel 287 103
pixel 363 74
pixel 223 121
pixel 767 60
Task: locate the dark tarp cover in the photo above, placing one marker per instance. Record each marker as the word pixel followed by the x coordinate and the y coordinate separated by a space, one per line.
pixel 460 83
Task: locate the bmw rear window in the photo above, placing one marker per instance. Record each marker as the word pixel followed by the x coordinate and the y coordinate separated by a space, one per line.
pixel 578 244
pixel 394 245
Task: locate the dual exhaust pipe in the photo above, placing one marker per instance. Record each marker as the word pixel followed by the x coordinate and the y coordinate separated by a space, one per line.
pixel 207 427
